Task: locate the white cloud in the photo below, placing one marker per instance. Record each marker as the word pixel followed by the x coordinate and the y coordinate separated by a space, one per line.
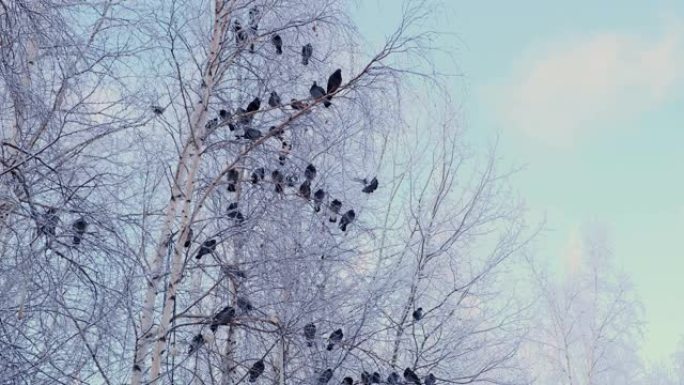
pixel 567 88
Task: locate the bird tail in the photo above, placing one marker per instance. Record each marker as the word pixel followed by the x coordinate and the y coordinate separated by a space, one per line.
pixel 326 103
pixel 231 187
pixel 343 227
pixel 305 61
pixel 279 50
pixel 213 327
pixel 330 346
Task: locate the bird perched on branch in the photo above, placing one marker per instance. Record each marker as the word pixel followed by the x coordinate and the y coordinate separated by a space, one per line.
pixel 335 338
pixel 252 134
pixel 418 314
pixel 318 92
pixel 277 178
pixel 254 105
pixel 157 110
pixel 258 175
pixel 430 379
pixel 370 186
pixel 365 378
pixel 347 381
pixel 298 104
pixel 79 228
pixel 305 190
pixel 393 379
pixel 325 377
pixel 207 247
pixel 256 370
pixel 278 43
pixel 233 176
pixel 309 333
pixel 347 219
pixel 375 378
pixel 410 376
pixel 334 82
pixel 310 172
pixel 234 213
pixel 244 304
pixel 274 99
pixel 307 51
pixel 223 317
pixel 335 207
pixel 318 197
pixel 196 343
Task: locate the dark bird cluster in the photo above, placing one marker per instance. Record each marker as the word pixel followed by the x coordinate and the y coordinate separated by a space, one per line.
pixel 234 213
pixel 371 186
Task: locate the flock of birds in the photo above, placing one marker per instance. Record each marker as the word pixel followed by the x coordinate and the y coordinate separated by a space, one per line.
pixel 226 315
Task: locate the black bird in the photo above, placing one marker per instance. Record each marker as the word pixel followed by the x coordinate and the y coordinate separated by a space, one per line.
pixel 305 189
pixel 254 105
pixel 274 99
pixel 393 379
pixel 418 314
pixel 365 378
pixel 188 238
pixel 157 110
pixel 224 114
pixel 256 370
pixel 370 187
pixel 278 43
pixel 298 104
pixel 243 116
pixel 277 178
pixel 318 92
pixel 79 228
pixel 410 376
pixel 196 343
pixel 244 304
pixel 49 222
pixel 347 381
pixel 347 219
pixel 334 82
pixel 375 378
pixel 252 134
pixel 240 34
pixel 224 317
pixel 430 379
pixel 335 207
pixel 233 176
pixel 335 338
pixel 325 377
pixel 307 51
pixel 310 172
pixel 207 247
pixel 258 175
pixel 234 213
pixel 319 195
pixel 309 333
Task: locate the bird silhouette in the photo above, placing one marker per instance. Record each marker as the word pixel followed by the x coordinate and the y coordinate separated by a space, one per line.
pixel 334 82
pixel 430 379
pixel 234 213
pixel 365 378
pixel 307 51
pixel 278 43
pixel 254 105
pixel 305 189
pixel 371 186
pixel 224 115
pixel 274 99
pixel 223 317
pixel 207 247
pixel 318 197
pixel 196 343
pixel 410 376
pixel 318 92
pixel 335 338
pixel 310 172
pixel 256 370
pixel 375 378
pixel 309 333
pixel 335 207
pixel 252 134
pixel 157 110
pixel 291 180
pixel 393 379
pixel 418 314
pixel 258 175
pixel 188 238
pixel 325 377
pixel 233 176
pixel 244 304
pixel 347 219
pixel 277 178
pixel 347 381
pixel 79 227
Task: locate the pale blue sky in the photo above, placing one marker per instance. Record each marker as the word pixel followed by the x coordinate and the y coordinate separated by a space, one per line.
pixel 589 96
